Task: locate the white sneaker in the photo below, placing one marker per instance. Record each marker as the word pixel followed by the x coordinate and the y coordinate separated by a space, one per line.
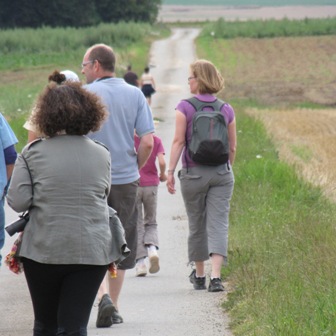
pixel 140 270
pixel 153 257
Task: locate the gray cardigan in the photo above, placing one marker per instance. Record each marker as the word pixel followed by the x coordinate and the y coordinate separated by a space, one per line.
pixel 69 216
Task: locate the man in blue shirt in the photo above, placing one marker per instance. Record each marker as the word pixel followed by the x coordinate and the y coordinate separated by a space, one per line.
pixel 128 112
pixel 7 159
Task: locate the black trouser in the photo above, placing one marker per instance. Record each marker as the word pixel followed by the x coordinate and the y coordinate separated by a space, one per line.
pixel 62 296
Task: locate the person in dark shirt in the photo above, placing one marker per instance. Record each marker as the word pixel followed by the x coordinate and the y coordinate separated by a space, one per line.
pixel 131 77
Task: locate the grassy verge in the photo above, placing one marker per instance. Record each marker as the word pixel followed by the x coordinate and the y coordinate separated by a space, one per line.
pixel 28 56
pixel 282 251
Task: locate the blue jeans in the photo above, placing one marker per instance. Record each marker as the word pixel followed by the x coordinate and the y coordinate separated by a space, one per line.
pixel 2 226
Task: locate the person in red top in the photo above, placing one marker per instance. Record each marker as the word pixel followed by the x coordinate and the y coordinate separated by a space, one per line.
pixel 148 241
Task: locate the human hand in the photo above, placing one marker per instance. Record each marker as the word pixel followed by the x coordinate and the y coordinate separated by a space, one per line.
pixel 171 184
pixel 163 177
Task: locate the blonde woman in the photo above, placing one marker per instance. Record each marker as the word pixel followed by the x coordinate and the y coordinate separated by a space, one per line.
pixel 206 190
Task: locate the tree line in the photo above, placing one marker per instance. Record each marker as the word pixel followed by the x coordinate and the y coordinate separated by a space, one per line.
pixel 75 13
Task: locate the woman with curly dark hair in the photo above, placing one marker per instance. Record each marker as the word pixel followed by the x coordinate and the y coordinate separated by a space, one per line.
pixel 58 77
pixel 64 181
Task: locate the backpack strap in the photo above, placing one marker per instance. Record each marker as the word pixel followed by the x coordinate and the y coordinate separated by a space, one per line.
pixel 200 105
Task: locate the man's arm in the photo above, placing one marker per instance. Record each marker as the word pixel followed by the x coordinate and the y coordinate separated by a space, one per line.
pixel 145 149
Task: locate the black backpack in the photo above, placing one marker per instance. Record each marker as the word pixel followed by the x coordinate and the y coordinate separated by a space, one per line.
pixel 209 144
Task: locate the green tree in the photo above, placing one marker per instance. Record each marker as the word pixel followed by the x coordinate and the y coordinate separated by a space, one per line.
pixel 74 13
pixel 132 10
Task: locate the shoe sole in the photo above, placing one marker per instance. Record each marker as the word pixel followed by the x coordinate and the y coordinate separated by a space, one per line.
pixel 116 318
pixel 154 264
pixel 198 287
pixel 104 319
pixel 141 274
pixel 215 290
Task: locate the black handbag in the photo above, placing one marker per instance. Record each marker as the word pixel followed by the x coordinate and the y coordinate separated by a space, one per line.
pixel 19 224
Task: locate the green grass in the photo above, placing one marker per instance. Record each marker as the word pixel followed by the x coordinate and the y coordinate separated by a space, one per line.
pixel 282 245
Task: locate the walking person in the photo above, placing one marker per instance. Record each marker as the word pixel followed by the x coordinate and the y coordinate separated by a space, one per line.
pixel 7 159
pixel 131 77
pixel 148 239
pixel 64 181
pixel 128 112
pixel 206 190
pixel 147 85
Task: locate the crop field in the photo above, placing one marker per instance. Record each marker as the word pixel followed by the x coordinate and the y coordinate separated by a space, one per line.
pixel 294 77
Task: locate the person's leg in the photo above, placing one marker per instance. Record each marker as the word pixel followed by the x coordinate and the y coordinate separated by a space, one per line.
pixel 115 286
pixel 44 283
pixel 194 188
pixel 103 288
pixel 141 248
pixel 79 289
pixel 151 238
pixel 122 198
pixel 218 207
pixel 140 266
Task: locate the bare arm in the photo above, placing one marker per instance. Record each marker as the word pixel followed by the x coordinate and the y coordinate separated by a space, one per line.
pixel 232 141
pixel 153 83
pixel 162 166
pixel 145 149
pixel 9 169
pixel 176 149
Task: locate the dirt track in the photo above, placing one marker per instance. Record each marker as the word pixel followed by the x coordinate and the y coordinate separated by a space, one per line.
pixel 170 13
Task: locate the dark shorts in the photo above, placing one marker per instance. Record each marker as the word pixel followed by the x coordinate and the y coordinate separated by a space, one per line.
pixel 147 90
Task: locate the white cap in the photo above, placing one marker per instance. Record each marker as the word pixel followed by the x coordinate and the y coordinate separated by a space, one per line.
pixel 70 76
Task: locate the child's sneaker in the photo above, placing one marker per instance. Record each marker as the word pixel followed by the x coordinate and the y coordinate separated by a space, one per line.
pixel 153 257
pixel 140 269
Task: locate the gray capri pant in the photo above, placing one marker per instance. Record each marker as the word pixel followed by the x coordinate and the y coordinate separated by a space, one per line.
pixel 122 198
pixel 207 192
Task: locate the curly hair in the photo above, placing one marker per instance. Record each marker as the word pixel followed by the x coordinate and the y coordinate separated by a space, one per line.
pixel 208 77
pixel 68 108
pixel 57 77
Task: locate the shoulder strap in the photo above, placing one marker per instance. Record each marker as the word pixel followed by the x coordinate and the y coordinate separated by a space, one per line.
pixel 199 105
pixel 30 175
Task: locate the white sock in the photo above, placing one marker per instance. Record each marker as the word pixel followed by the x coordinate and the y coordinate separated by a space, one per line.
pixel 200 276
pixel 151 248
pixel 141 261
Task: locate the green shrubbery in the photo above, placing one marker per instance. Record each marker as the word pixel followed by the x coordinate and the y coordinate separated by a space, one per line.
pixel 35 47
